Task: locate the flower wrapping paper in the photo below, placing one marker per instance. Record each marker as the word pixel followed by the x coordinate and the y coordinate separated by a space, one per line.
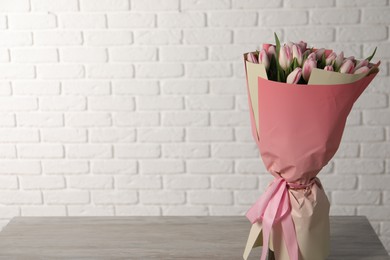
pixel 298 129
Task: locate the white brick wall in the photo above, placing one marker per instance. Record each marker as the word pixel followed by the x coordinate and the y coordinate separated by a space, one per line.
pixel 139 107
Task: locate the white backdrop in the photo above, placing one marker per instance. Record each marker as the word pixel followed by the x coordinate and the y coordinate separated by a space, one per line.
pixel 138 107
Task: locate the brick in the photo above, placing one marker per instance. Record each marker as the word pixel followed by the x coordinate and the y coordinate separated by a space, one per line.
pixel 14 6
pixel 138 182
pixel 205 5
pixel 374 212
pixel 376 150
pixel 185 118
pixel 112 135
pixel 227 87
pixel 362 133
pixel 232 18
pixel 137 210
pixel 313 35
pixel 361 33
pixel 160 135
pixel 31 21
pixel 189 182
pixel 9 183
pixel 7 119
pixel 359 166
pixel 54 197
pixel 354 118
pixel 342 210
pixel 210 166
pixel 110 38
pixel 40 151
pixel 64 135
pixel 54 5
pixel 111 103
pixel 5 89
pixel 304 4
pixel 334 16
pixel 243 134
pixel 210 102
pixel 356 197
pixel 162 197
pixel 137 150
pixel 12 135
pixel 158 166
pixel 207 36
pixel 361 3
pixel 185 53
pixel 87 88
pixel 383 50
pixel 374 182
pixel 334 182
pixel 372 100
pixel 133 53
pixel 36 88
pixel 110 71
pixel 9 211
pixel 42 182
pixel 5 57
pixel 246 197
pixel 90 210
pixel 236 150
pixel 7 151
pixel 184 87
pixel 181 20
pixel 210 197
pixel 89 182
pixel 18 103
pixel 206 134
pixel 78 54
pixel 230 52
pixel 82 21
pixel 138 119
pixel 43 210
pixel 208 70
pixel 347 150
pixel 378 117
pixel 234 182
pixel 250 166
pixel 283 17
pixel 39 119
pixel 185 210
pixel 159 103
pixel 34 55
pixel 89 119
pixel 104 5
pixel 376 16
pixel 53 38
pixel 158 37
pixel 67 103
pixel 139 88
pixel 256 4
pixel 114 197
pixel 20 71
pixel 15 38
pixel 114 166
pixel 159 70
pixel 155 5
pixel 65 166
pixel 228 210
pixel 20 197
pixel 89 151
pixel 20 167
pixel 232 118
pixel 185 150
pixel 60 71
pixel 131 20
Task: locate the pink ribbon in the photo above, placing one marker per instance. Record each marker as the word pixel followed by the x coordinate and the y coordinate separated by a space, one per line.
pixel 271 208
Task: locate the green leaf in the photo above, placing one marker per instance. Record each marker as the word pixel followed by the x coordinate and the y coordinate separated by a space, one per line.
pixel 323 61
pixel 372 55
pixel 277 46
pixel 294 64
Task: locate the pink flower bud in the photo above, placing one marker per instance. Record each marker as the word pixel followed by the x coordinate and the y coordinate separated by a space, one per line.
pixel 347 67
pixel 312 56
pixel 331 58
pixel 329 68
pixel 297 53
pixel 294 76
pixel 285 57
pixel 251 57
pixel 271 51
pixel 308 66
pixel 263 59
pixel 319 53
pixel 363 69
pixel 302 45
pixel 361 63
pixel 339 60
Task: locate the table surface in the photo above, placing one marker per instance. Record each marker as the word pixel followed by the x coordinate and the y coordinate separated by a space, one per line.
pixel 163 238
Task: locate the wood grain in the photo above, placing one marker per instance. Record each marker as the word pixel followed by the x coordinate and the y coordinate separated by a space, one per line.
pixel 162 238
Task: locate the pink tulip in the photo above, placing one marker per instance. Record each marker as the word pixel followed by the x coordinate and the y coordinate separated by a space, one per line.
pixel 361 63
pixel 297 53
pixel 294 76
pixel 285 57
pixel 263 59
pixel 308 66
pixel 251 57
pixel 331 58
pixel 363 69
pixel 347 67
pixel 312 56
pixel 271 51
pixel 329 68
pixel 339 60
pixel 302 45
pixel 319 53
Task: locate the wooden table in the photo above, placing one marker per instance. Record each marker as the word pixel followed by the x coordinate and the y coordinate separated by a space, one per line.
pixel 162 238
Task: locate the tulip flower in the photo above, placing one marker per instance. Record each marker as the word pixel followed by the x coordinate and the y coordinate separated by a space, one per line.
pixel 308 66
pixel 363 69
pixel 251 57
pixel 302 45
pixel 271 51
pixel 329 68
pixel 347 67
pixel 319 53
pixel 294 76
pixel 285 57
pixel 312 56
pixel 339 60
pixel 297 53
pixel 331 58
pixel 361 63
pixel 263 59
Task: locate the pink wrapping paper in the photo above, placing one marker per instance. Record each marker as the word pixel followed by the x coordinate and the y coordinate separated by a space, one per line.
pixel 299 130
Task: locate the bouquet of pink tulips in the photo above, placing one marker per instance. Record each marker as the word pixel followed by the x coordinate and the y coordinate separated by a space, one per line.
pixel 299 101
